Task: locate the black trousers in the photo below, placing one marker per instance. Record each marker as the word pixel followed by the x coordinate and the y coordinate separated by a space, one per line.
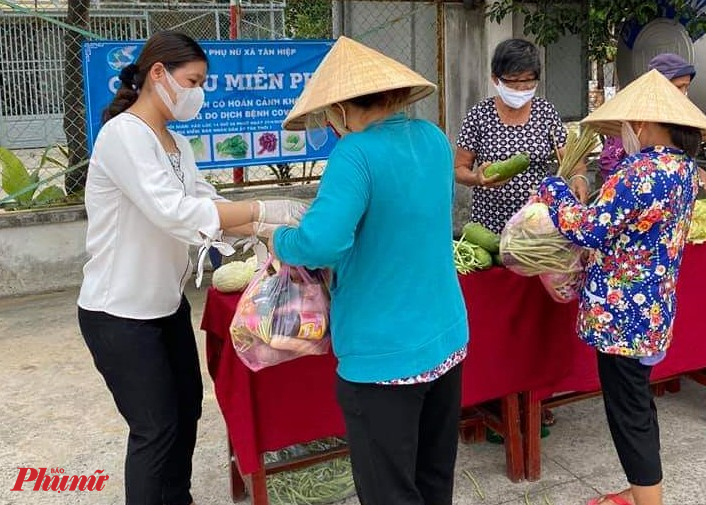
pixel 152 369
pixel 403 439
pixel 632 417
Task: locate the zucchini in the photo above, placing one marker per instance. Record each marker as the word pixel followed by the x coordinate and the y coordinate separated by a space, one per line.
pixel 509 168
pixel 483 257
pixel 476 233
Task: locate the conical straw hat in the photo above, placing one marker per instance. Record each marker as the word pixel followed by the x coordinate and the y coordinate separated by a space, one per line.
pixel 349 70
pixel 651 97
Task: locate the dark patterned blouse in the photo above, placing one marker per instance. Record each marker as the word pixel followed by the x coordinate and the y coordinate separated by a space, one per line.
pixel 485 134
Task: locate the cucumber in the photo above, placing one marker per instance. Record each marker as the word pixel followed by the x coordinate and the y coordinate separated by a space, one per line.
pixel 509 168
pixel 476 233
pixel 483 257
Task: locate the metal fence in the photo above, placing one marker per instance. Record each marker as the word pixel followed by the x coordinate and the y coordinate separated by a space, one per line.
pixel 37 111
pixel 410 32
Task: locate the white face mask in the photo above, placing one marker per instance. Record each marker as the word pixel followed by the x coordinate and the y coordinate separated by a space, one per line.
pixel 631 141
pixel 338 123
pixel 513 98
pixel 187 102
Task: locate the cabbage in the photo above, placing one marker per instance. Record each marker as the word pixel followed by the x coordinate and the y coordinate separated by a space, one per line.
pixel 234 276
pixel 697 230
pixel 535 219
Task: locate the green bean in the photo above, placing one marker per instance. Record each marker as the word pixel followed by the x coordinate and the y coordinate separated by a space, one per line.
pixel 316 485
pixel 476 486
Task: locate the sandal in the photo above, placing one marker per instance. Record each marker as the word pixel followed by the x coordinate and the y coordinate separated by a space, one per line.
pixel 609 499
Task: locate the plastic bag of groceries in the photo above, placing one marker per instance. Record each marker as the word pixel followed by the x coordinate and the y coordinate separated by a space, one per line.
pixel 282 315
pixel 563 288
pixel 531 245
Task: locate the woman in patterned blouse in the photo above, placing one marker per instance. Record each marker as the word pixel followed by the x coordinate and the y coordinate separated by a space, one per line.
pixel 501 126
pixel 635 232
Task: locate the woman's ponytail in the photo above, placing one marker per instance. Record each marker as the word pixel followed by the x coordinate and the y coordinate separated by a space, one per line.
pixel 130 83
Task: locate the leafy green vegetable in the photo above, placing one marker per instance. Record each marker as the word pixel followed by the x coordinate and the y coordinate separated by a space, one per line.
pixel 198 147
pixel 234 146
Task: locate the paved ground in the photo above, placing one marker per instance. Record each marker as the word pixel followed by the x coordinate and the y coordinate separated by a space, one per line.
pixel 56 412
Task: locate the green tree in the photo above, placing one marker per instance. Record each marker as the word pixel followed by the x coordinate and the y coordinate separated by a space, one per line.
pixel 599 21
pixel 308 19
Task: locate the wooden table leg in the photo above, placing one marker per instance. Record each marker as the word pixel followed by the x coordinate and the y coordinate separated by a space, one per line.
pixel 258 485
pixel 699 376
pixel 658 389
pixel 237 485
pixel 531 431
pixel 471 426
pixel 674 385
pixel 513 437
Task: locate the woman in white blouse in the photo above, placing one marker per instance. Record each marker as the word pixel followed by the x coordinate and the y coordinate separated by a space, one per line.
pixel 146 204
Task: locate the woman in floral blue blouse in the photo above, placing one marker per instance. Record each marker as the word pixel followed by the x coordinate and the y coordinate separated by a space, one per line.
pixel 635 232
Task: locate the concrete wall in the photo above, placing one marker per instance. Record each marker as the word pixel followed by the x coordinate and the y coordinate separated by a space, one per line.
pixel 45 250
pixel 42 251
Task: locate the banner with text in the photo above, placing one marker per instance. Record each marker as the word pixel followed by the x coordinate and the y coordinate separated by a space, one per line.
pixel 250 88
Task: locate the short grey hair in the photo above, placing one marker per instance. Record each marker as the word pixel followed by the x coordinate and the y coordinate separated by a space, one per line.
pixel 514 56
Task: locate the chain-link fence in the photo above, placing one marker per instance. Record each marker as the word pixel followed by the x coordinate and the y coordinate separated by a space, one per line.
pixel 41 91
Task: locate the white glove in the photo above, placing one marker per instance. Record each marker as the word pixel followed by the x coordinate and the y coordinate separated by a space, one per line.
pixel 281 212
pixel 265 229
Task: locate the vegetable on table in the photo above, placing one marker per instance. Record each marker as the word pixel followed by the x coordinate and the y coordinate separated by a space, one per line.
pixel 697 229
pixel 476 233
pixel 470 257
pixel 234 276
pixel 509 168
pixel 235 147
pixel 268 143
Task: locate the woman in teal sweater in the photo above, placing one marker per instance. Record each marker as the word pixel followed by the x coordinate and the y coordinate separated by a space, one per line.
pixel 382 222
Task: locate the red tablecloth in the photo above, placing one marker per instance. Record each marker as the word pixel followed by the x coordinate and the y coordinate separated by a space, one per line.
pixel 687 352
pixel 279 406
pixel 520 341
pixel 515 325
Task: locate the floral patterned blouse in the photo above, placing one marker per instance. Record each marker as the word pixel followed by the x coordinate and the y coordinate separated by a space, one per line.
pixel 636 232
pixel 451 361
